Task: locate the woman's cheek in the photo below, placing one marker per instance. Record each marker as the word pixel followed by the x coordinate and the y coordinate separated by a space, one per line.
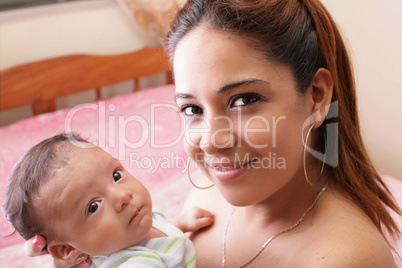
pixel 188 149
pixel 191 144
pixel 196 133
pixel 261 133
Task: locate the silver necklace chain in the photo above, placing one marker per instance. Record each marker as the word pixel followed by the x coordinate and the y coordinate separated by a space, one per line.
pixel 272 237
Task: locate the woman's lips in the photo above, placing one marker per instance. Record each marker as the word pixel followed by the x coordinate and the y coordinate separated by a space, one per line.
pixel 229 171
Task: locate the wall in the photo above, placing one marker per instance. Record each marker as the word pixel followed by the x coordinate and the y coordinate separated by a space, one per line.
pixel 373 29
pixel 99 27
pixel 87 27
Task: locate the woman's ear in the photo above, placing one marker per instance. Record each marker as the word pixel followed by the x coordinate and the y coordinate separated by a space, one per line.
pixel 321 92
pixel 60 250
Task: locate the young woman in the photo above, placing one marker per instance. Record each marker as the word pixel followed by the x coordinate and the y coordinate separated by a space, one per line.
pixel 268 94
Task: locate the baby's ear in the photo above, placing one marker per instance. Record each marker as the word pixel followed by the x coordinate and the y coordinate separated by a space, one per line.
pixel 60 250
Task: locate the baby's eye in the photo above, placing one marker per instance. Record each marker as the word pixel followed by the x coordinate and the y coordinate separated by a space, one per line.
pixel 244 100
pixel 190 110
pixel 117 175
pixel 93 207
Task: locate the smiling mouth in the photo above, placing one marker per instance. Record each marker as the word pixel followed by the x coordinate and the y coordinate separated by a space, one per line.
pixel 135 215
pixel 231 166
pixel 227 172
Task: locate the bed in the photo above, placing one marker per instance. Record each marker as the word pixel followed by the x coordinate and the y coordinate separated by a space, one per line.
pixel 142 129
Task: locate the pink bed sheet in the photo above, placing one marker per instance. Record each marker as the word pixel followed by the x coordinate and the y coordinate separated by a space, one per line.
pixel 142 129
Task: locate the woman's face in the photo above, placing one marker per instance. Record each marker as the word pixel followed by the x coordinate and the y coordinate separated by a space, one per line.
pixel 243 116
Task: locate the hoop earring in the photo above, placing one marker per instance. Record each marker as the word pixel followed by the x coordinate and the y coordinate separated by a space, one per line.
pixel 304 158
pixel 198 187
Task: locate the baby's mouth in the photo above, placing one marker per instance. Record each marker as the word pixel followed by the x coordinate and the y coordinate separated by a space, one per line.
pixel 135 214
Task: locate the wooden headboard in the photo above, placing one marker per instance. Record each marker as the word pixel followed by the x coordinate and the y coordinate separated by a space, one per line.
pixel 40 83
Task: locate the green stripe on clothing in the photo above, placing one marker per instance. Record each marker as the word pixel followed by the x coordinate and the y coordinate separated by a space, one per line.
pixel 93 261
pixel 171 245
pixel 142 256
pixel 190 261
pixel 150 257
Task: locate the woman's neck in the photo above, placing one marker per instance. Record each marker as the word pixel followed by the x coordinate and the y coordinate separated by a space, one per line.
pixel 285 207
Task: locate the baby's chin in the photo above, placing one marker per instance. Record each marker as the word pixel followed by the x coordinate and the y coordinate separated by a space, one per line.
pixel 146 228
pixel 133 236
pixel 143 231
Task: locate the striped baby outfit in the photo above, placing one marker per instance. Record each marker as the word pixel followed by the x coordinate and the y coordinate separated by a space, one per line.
pixel 174 250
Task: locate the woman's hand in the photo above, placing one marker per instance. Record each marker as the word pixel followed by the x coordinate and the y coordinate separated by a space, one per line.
pixel 194 219
pixel 77 264
pixel 36 246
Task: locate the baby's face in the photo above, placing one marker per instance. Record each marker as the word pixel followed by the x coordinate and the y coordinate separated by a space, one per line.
pixel 95 205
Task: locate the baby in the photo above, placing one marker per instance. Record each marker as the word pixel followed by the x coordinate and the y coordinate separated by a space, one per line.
pixel 85 203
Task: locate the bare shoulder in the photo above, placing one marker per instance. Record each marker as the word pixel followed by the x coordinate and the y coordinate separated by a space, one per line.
pixel 346 237
pixel 348 248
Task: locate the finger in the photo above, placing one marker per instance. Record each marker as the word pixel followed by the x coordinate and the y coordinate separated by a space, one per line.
pixel 199 212
pixel 35 246
pixel 205 221
pixel 61 263
pixel 76 264
pixel 200 223
pixel 205 213
pixel 86 263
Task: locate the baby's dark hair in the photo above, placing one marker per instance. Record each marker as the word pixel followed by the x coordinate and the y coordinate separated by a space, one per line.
pixel 31 171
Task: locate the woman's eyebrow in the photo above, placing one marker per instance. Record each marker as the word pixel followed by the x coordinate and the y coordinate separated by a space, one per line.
pixel 225 88
pixel 240 83
pixel 183 96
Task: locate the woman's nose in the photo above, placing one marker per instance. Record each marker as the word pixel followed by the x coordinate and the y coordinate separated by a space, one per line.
pixel 220 134
pixel 120 197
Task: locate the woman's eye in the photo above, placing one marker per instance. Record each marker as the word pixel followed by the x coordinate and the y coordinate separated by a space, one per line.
pixel 117 175
pixel 191 110
pixel 244 100
pixel 93 207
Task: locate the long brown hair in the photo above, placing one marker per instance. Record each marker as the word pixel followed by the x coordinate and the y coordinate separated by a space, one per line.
pixel 302 35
